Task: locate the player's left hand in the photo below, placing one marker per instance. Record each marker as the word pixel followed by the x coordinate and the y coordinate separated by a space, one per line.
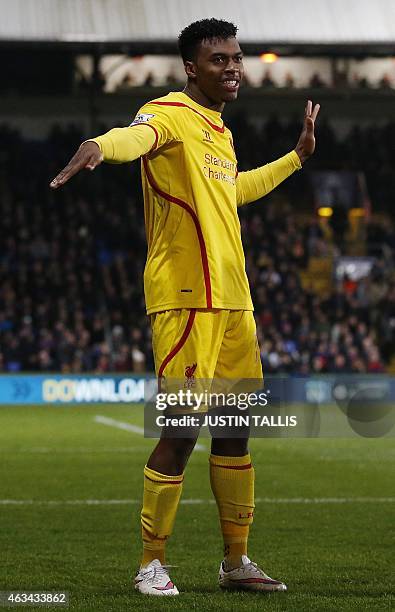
pixel 306 142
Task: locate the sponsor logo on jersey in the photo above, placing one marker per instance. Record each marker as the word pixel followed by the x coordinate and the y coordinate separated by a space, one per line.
pixel 207 136
pixel 142 118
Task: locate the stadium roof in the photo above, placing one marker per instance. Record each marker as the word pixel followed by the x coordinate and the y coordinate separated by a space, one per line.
pixel 281 22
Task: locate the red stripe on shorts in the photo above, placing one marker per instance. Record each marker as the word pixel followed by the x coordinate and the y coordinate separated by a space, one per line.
pixel 180 343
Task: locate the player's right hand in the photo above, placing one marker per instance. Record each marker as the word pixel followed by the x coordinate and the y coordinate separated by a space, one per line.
pixel 88 156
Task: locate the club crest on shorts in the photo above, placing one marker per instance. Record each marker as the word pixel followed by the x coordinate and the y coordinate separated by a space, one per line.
pixel 190 380
pixel 162 384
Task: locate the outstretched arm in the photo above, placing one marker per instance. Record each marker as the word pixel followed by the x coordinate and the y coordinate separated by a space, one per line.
pixel 255 184
pixel 119 145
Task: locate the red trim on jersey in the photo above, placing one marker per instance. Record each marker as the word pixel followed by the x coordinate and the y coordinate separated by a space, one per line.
pixel 182 105
pixel 180 343
pixel 156 134
pixel 247 466
pixel 202 244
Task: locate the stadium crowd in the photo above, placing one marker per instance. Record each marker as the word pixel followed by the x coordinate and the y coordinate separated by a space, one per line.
pixel 268 80
pixel 71 262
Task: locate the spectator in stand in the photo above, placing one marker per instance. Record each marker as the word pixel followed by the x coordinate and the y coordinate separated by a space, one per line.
pixel 69 300
pixel 149 79
pixel 361 82
pixel 267 80
pixel 289 81
pixel 127 83
pixel 385 82
pixel 316 82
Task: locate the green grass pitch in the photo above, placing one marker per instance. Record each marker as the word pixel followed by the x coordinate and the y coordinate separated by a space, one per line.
pixel 334 554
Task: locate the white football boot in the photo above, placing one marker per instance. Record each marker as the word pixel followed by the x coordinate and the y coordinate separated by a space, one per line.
pixel 153 579
pixel 248 577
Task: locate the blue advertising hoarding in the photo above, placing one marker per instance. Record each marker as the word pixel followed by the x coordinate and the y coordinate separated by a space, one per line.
pixel 73 389
pixel 82 389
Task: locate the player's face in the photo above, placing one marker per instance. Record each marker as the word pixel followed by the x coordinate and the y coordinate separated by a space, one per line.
pixel 218 69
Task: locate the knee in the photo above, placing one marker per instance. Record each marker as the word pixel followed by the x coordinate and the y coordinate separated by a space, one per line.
pixel 229 447
pixel 180 449
pixel 183 446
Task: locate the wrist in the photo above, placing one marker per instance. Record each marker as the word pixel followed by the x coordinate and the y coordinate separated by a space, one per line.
pixel 301 154
pixel 91 140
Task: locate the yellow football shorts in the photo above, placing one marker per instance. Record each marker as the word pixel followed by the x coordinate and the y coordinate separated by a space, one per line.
pixel 200 348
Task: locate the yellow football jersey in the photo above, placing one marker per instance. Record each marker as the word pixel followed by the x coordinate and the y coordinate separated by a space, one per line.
pixel 191 194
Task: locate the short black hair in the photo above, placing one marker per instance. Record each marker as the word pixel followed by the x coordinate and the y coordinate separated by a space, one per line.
pixel 205 29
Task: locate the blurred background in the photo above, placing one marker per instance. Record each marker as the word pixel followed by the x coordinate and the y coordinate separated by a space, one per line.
pixel 320 249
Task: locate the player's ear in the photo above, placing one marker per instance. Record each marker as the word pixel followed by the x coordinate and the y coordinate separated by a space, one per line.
pixel 190 69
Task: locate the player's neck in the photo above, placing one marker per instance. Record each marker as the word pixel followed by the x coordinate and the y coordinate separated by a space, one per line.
pixel 198 96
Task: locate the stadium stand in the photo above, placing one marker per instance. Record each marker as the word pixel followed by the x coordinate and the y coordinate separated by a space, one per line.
pixel 71 267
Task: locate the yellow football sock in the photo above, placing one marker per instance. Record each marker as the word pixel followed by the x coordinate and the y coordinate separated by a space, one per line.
pixel 160 502
pixel 232 482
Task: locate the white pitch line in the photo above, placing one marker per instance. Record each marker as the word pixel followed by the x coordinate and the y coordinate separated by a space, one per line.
pixel 118 424
pixel 68 502
pixel 129 427
pixel 190 502
pixel 326 500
